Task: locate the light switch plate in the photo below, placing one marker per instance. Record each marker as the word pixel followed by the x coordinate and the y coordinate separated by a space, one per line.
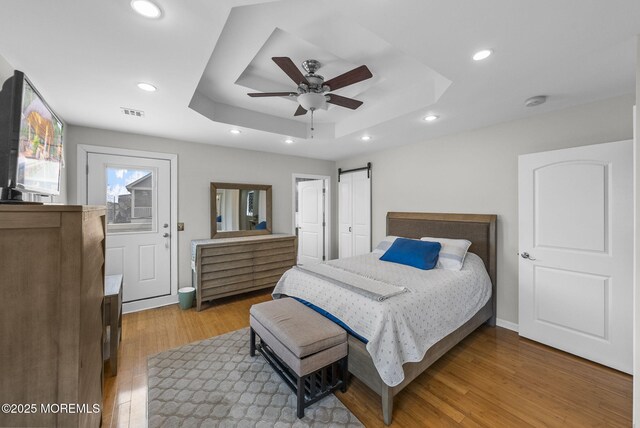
pixel 180 227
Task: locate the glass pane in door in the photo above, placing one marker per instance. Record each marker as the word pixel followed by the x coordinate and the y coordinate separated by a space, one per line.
pixel 129 200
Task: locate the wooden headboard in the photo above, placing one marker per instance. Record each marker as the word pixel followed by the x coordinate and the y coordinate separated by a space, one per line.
pixel 480 229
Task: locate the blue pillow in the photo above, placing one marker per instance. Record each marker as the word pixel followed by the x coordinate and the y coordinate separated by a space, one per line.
pixel 262 225
pixel 419 254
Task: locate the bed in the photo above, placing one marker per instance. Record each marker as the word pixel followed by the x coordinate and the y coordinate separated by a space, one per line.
pixel 392 333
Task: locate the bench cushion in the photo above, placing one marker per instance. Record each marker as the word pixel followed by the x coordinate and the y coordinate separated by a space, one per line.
pixel 300 329
pixel 301 366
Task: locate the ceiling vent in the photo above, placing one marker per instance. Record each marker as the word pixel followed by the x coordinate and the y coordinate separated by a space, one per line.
pixel 132 112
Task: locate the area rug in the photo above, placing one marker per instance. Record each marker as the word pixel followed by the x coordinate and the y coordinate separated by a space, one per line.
pixel 215 383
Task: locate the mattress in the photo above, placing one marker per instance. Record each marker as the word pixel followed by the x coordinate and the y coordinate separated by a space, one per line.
pixel 403 327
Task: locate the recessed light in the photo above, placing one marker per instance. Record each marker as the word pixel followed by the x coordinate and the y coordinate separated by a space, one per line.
pixel 288 141
pixel 365 138
pixel 235 131
pixel 431 118
pixel 147 87
pixel 483 54
pixel 146 8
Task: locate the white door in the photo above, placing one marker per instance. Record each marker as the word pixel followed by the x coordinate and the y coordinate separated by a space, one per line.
pixel 345 216
pixel 361 213
pixel 576 251
pixel 311 222
pixel 137 193
pixel 354 214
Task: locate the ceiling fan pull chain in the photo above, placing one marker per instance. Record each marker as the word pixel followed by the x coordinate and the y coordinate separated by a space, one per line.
pixel 312 122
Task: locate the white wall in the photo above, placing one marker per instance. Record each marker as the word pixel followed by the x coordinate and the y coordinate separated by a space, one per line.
pixel 6 70
pixel 198 165
pixel 636 272
pixel 477 172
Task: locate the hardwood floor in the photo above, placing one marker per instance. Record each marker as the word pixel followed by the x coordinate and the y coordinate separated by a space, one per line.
pixel 493 378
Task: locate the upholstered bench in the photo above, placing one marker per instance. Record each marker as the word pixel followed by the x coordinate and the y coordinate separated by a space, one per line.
pixel 307 350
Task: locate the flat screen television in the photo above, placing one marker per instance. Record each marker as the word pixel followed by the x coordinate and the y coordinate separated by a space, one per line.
pixel 31 141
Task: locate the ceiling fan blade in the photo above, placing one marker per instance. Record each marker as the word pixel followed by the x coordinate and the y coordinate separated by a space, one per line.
pixel 344 101
pixel 272 94
pixel 356 75
pixel 301 111
pixel 285 63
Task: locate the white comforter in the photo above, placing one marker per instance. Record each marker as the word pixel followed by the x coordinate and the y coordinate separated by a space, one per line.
pixel 402 328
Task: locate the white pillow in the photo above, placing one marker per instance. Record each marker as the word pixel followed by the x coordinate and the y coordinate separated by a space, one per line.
pixel 384 245
pixel 386 242
pixel 452 252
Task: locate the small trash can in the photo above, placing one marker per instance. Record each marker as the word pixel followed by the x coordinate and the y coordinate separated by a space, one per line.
pixel 186 296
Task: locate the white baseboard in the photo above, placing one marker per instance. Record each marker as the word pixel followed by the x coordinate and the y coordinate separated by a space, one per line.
pixel 142 305
pixel 507 324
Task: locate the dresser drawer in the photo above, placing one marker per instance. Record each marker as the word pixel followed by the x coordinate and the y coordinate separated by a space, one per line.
pixel 238 265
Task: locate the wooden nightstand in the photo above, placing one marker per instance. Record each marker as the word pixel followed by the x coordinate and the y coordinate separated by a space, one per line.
pixel 112 319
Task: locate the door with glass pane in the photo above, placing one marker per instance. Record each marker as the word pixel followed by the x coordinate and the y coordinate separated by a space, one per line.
pixel 136 192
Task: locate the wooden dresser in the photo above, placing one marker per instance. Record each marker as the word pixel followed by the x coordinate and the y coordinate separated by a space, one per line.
pixel 228 266
pixel 51 283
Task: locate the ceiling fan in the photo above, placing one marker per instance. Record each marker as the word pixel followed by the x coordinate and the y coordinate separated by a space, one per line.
pixel 313 91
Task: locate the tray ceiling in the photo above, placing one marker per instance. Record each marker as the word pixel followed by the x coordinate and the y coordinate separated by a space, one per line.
pixel 205 55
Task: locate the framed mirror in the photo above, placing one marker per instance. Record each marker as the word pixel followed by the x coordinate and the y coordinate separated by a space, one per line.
pixel 240 210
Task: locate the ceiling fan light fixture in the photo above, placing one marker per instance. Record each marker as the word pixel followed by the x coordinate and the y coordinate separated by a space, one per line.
pixel 312 101
pixel 146 8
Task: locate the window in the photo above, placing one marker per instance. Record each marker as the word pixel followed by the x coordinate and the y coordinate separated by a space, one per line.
pixel 129 200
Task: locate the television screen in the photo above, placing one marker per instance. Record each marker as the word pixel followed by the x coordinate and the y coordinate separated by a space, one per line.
pixel 40 146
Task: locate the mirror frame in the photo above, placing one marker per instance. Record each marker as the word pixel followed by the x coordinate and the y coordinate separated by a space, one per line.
pixel 215 234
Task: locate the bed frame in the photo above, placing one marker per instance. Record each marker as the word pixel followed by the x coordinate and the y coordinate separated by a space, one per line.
pixel 480 229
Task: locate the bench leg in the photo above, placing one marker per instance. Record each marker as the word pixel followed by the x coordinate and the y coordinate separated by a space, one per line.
pixel 252 342
pixel 344 367
pixel 300 397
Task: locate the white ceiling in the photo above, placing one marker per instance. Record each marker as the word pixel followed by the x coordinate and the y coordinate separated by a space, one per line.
pixel 400 85
pixel 86 57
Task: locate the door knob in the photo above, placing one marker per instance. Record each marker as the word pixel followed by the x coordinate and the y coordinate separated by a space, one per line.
pixel 349 228
pixel 526 255
pixel 165 235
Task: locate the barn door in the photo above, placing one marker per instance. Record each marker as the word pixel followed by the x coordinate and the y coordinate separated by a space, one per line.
pixel 354 213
